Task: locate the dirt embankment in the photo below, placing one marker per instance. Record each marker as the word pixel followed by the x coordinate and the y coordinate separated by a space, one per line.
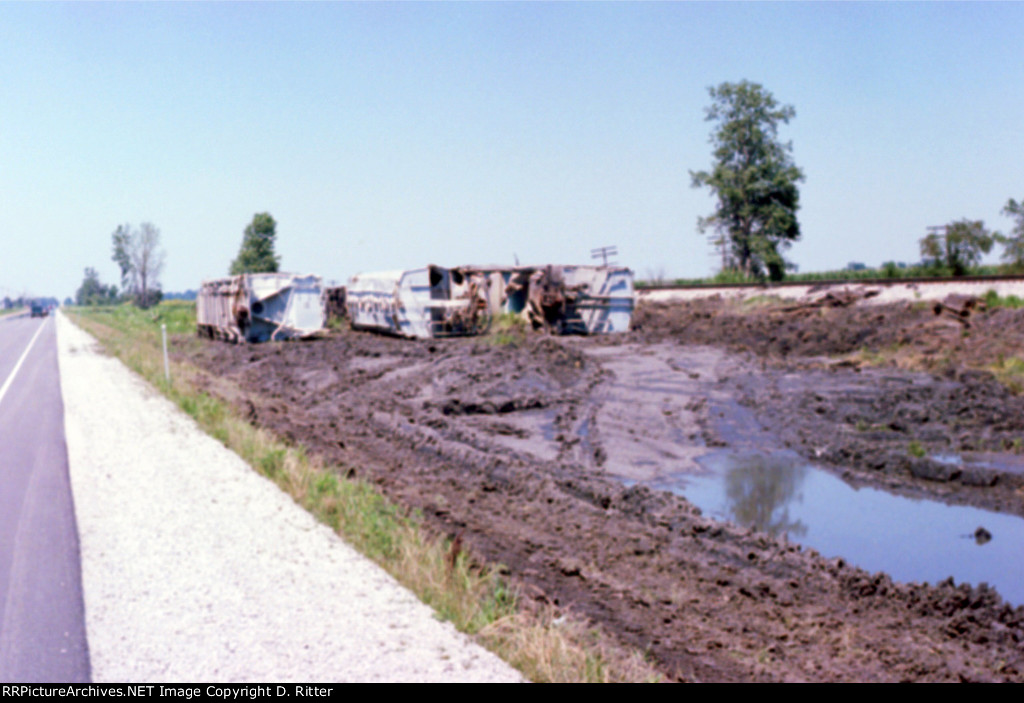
pixel 521 449
pixel 878 391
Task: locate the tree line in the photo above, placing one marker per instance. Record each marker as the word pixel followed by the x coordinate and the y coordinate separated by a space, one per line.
pixel 752 177
pixel 954 249
pixel 754 181
pixel 140 259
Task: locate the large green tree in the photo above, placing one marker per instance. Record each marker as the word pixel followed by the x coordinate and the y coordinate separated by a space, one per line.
pixel 753 179
pixel 958 247
pixel 257 252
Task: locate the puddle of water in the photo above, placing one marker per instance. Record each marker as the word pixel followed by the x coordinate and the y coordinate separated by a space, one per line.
pixel 910 539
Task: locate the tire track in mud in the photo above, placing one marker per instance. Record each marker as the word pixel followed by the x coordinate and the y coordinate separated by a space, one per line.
pixel 877 426
pixel 485 441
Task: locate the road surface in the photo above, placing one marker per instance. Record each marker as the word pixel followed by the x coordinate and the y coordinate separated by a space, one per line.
pixel 42 621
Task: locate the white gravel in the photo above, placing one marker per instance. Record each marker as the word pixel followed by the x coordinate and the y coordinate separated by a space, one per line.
pixel 195 568
pixel 884 292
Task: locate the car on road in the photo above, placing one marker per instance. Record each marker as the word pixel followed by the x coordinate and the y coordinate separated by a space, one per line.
pixel 39 310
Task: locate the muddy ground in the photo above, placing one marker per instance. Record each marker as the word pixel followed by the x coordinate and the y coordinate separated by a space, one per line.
pixel 522 448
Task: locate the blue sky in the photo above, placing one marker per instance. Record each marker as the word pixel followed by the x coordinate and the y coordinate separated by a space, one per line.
pixel 392 135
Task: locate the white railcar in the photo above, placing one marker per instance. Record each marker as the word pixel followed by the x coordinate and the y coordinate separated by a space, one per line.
pixel 260 307
pixel 424 303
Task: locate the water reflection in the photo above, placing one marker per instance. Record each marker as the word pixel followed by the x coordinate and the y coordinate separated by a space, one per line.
pixel 759 489
pixel 911 539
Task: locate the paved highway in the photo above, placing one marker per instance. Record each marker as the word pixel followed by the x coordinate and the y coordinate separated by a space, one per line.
pixel 42 625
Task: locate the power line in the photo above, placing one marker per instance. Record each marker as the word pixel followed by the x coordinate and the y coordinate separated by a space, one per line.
pixel 603 253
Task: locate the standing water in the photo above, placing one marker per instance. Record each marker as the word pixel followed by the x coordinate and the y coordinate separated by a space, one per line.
pixel 910 539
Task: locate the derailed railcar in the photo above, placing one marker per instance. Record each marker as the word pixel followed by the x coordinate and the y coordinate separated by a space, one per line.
pixel 336 302
pixel 260 307
pixel 425 303
pixel 571 299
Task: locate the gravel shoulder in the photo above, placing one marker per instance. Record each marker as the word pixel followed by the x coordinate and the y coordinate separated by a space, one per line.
pixel 197 569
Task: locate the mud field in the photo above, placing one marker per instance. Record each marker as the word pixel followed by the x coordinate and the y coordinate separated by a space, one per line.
pixel 536 450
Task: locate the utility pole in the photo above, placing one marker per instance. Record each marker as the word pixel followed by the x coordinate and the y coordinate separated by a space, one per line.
pixel 603 253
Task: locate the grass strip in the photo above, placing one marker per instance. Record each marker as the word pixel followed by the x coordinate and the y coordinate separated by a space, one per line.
pixel 543 645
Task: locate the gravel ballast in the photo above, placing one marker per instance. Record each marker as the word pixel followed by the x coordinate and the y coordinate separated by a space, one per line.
pixel 195 568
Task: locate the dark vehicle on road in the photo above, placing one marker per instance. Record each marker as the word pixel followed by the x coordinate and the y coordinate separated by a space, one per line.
pixel 38 309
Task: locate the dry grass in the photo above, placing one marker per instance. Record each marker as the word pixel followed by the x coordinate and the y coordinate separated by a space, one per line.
pixel 546 647
pixel 556 649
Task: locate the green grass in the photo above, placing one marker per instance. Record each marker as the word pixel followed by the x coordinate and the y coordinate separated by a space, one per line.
pixel 915 449
pixel 993 300
pixel 178 315
pixel 507 329
pixel 473 596
pixel 885 271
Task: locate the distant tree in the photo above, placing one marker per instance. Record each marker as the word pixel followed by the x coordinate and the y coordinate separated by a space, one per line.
pixel 148 264
pixel 754 179
pixel 890 269
pixel 256 254
pixel 959 248
pixel 138 254
pixel 1013 244
pixel 92 292
pixel 122 239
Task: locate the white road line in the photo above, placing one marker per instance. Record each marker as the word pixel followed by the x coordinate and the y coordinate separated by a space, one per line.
pixel 14 371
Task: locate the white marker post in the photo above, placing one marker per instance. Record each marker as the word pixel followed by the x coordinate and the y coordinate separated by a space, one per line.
pixel 167 367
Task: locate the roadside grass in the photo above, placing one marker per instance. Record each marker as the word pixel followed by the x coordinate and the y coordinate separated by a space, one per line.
pixel 543 645
pixel 11 311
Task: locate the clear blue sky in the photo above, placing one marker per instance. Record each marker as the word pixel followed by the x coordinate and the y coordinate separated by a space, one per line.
pixel 392 135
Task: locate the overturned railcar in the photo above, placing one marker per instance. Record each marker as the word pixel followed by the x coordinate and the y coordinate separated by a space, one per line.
pixel 571 299
pixel 429 302
pixel 260 307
